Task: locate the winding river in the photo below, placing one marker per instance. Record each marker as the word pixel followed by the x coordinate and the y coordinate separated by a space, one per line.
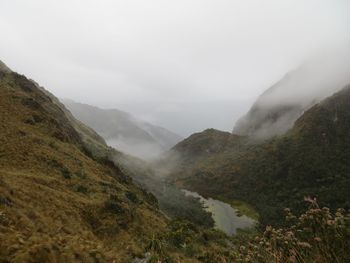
pixel 224 215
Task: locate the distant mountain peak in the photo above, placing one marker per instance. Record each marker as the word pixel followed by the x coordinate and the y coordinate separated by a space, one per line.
pixel 276 110
pixel 124 131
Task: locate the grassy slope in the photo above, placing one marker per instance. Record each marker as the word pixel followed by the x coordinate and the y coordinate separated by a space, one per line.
pixel 62 199
pixel 60 202
pixel 57 203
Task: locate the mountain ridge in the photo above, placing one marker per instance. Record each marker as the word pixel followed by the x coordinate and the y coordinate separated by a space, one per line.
pixel 123 131
pixel 276 109
pixel 63 197
pixel 310 159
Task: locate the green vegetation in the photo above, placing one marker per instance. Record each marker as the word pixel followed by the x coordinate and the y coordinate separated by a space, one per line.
pixel 80 189
pixel 311 159
pixel 62 196
pixel 172 201
pixel 202 245
pixel 179 206
pixel 67 197
pixel 245 209
pixel 317 235
pixel 61 200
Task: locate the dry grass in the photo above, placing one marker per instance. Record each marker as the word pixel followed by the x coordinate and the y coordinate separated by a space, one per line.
pixel 59 204
pixel 44 217
pixel 316 236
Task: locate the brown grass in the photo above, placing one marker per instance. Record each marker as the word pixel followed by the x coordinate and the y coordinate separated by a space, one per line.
pixel 43 217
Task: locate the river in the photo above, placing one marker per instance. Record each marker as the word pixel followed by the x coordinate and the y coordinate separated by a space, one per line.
pixel 224 215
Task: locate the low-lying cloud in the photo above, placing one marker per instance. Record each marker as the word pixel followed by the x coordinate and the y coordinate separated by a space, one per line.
pixel 130 54
pixel 279 107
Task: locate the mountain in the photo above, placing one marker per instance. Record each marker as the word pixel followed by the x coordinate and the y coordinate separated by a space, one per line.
pixel 59 203
pixel 65 198
pixel 311 159
pixel 123 131
pixel 276 110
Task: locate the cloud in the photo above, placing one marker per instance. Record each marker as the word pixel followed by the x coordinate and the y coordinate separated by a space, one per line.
pixel 155 52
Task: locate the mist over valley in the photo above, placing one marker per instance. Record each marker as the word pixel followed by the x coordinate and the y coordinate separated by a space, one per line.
pixel 175 132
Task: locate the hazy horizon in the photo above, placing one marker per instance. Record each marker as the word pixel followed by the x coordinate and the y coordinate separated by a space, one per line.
pixel 183 65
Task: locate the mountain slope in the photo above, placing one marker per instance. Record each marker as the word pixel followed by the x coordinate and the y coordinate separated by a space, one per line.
pixel 57 202
pixel 63 199
pixel 311 159
pixel 276 110
pixel 123 131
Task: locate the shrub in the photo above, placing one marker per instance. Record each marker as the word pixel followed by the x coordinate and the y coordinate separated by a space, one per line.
pixel 80 189
pixel 316 236
pixel 132 197
pixel 113 206
pixel 158 249
pixel 66 173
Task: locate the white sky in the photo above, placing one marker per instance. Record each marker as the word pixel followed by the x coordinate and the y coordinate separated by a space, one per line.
pixel 184 64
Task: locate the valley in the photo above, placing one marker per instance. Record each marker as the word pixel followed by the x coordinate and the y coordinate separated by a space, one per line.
pixel 200 131
pixel 68 196
pixel 62 197
pixel 226 218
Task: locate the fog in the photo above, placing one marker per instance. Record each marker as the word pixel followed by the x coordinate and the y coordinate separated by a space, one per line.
pixel 185 65
pixel 277 109
pixel 145 151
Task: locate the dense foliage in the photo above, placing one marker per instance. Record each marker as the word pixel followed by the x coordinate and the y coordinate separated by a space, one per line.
pixel 64 198
pixel 317 235
pixel 172 201
pixel 311 159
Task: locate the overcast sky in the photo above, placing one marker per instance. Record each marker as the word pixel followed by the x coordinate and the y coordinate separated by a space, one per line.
pixel 184 64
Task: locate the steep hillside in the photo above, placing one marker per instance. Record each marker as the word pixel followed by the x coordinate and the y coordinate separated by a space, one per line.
pixel 312 159
pixel 276 110
pixel 123 131
pixel 59 204
pixel 62 199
